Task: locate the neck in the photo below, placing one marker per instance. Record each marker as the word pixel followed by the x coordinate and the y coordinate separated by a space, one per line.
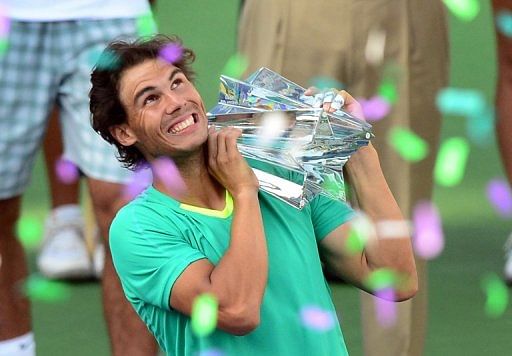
pixel 203 190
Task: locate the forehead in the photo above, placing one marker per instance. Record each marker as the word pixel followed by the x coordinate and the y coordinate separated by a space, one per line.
pixel 147 73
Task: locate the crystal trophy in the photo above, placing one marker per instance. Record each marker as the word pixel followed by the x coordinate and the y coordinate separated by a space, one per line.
pixel 296 151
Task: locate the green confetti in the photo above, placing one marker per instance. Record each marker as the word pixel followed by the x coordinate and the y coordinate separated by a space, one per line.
pixel 30 231
pixel 465 10
pixel 4 46
pixel 382 278
pixel 355 242
pixel 146 25
pixel 235 66
pixel 387 90
pixel 497 295
pixel 410 146
pixel 204 314
pixel 41 289
pixel 451 162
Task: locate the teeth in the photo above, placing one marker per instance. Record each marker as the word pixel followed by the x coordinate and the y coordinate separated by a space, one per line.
pixel 182 125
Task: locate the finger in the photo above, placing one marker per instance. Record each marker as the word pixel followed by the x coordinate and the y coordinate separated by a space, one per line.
pixel 328 98
pixel 352 105
pixel 221 143
pixel 338 102
pixel 231 145
pixel 319 98
pixel 311 91
pixel 212 144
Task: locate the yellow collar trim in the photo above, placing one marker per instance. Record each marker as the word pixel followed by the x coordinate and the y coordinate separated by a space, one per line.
pixel 225 213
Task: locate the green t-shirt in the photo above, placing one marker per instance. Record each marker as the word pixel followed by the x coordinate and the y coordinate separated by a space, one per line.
pixel 154 238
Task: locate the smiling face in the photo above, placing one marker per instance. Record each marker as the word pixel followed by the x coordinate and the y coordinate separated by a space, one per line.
pixel 166 115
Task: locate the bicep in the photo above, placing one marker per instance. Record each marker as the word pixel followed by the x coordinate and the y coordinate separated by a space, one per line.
pixel 193 281
pixel 341 260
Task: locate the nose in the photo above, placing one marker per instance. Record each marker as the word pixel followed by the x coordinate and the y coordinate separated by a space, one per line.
pixel 173 103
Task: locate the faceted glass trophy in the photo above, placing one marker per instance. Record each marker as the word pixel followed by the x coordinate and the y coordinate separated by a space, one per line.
pixel 295 150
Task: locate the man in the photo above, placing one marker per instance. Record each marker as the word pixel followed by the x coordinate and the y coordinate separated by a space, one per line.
pixel 303 39
pixel 256 254
pixel 51 50
pixel 504 112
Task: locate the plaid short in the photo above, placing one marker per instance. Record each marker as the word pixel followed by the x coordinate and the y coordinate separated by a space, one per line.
pixel 50 63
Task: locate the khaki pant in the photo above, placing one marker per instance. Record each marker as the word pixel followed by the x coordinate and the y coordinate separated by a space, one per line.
pixel 303 39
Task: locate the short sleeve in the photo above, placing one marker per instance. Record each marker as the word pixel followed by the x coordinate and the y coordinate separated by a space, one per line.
pixel 148 255
pixel 327 214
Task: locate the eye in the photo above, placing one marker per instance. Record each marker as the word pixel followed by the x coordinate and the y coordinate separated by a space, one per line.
pixel 177 82
pixel 149 99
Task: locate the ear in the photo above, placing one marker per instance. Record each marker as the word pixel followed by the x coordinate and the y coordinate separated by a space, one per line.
pixel 123 134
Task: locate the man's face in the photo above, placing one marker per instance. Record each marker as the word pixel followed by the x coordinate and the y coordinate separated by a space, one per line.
pixel 166 115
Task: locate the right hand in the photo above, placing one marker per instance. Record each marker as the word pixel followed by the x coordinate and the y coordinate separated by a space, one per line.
pixel 226 163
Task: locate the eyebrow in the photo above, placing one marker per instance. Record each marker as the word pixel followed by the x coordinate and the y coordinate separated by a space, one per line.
pixel 143 91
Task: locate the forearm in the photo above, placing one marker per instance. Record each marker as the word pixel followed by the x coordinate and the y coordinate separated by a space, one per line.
pixel 240 278
pixel 376 200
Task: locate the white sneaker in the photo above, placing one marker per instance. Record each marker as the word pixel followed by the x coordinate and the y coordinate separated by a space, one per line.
pixel 64 253
pixel 507 270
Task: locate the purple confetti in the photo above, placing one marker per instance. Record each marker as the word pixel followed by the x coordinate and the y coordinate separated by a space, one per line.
pixel 375 108
pixel 67 172
pixel 385 308
pixel 428 238
pixel 211 352
pixel 316 318
pixel 171 53
pixel 138 182
pixel 166 171
pixel 5 25
pixel 500 196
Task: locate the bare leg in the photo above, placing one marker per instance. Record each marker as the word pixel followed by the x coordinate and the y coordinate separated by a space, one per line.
pixel 61 193
pixel 128 334
pixel 14 307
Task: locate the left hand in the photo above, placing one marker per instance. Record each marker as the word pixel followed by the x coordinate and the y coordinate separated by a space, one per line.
pixel 332 100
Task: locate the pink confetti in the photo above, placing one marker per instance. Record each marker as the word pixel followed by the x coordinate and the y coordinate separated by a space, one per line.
pixel 166 171
pixel 318 319
pixel 500 196
pixel 428 238
pixel 5 26
pixel 385 308
pixel 67 172
pixel 171 53
pixel 375 108
pixel 138 182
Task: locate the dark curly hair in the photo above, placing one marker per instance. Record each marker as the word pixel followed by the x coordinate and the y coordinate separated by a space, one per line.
pixel 105 104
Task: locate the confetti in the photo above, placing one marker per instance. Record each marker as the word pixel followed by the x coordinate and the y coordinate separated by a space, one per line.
pixel 381 278
pixel 504 22
pixel 67 172
pixel 40 289
pixel 318 319
pixel 480 128
pixel 235 66
pixel 464 102
pixel 5 25
pixel 146 25
pixel 29 230
pixel 204 314
pixel 165 170
pixel 211 352
pixel 387 90
pixel 375 44
pixel 385 307
pixel 497 295
pixel 465 10
pixel 500 196
pixel 325 83
pixel 375 108
pixel 428 237
pixel 104 59
pixel 410 146
pixel 451 162
pixel 361 232
pixel 137 183
pixel 4 46
pixel 171 53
